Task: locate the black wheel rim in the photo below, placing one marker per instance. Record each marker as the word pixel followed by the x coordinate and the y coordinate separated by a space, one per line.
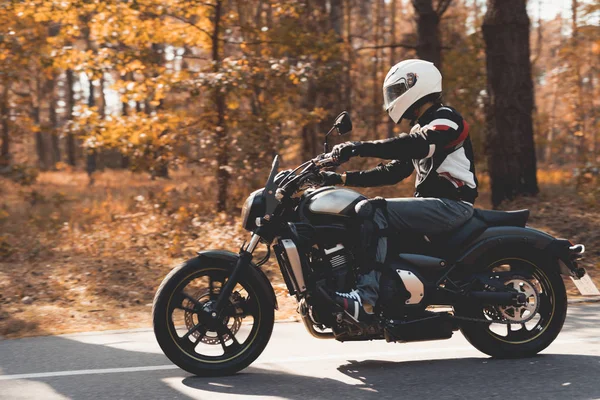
pixel 509 331
pixel 197 333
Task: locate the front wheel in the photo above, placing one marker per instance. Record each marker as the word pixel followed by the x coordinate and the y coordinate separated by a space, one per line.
pixel 190 332
pixel 526 330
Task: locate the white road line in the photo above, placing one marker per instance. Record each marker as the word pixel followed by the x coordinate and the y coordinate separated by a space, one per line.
pixel 259 362
pixel 86 372
pixel 266 361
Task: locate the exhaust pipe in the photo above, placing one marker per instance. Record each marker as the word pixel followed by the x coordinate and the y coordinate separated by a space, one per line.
pixel 308 324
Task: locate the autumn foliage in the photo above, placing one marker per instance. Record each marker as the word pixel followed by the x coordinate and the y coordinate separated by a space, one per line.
pixel 132 130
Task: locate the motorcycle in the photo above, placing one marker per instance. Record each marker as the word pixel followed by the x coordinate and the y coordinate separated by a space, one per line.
pixel 495 279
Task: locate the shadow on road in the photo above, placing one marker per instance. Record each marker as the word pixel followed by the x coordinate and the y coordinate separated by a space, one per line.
pixel 56 353
pixel 550 376
pixel 546 376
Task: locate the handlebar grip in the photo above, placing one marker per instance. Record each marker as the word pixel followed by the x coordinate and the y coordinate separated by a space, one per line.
pixel 325 161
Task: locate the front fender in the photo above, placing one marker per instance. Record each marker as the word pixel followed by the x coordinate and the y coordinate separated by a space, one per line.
pixel 231 258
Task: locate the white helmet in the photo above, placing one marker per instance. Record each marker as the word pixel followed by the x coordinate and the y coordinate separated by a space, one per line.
pixel 408 82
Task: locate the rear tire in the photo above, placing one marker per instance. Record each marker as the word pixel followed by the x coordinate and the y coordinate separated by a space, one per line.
pixel 552 308
pixel 181 351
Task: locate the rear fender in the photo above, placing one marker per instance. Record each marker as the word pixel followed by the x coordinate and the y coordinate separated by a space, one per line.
pixel 231 259
pixel 497 236
pixel 493 237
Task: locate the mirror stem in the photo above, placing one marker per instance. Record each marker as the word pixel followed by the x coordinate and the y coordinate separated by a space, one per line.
pixel 326 145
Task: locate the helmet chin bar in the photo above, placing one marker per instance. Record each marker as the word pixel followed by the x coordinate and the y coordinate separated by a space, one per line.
pixel 394 115
pixel 410 114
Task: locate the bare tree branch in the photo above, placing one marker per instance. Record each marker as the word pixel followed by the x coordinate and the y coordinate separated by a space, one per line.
pixel 190 23
pixel 20 94
pixel 442 6
pixel 387 46
pixel 206 4
pixel 195 57
pixel 394 46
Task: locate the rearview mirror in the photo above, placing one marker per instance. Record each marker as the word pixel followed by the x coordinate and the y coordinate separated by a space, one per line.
pixel 343 124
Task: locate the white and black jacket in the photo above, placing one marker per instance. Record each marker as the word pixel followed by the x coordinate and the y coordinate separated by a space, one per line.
pixel 438 148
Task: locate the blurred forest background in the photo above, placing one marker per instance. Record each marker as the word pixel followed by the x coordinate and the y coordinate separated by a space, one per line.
pixel 132 130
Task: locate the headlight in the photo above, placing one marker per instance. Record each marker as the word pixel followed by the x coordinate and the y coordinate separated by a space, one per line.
pixel 254 206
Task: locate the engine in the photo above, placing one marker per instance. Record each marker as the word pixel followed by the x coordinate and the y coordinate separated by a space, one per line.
pixel 336 265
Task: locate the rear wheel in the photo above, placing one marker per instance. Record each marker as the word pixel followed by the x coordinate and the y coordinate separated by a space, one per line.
pixel 190 332
pixel 525 330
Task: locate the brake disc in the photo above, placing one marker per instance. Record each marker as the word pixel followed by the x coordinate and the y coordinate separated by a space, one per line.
pixel 525 312
pixel 211 337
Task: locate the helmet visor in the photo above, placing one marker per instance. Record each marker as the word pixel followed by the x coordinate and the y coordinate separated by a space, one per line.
pixel 392 92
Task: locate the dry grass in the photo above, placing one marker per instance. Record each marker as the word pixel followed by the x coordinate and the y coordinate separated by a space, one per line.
pixel 79 258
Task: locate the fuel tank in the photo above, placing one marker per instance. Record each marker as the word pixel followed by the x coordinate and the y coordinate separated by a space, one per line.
pixel 329 202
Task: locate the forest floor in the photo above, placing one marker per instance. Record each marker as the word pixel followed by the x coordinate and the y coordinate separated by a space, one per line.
pixel 78 258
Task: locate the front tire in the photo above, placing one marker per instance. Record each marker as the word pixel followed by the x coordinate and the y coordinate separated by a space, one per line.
pixel 191 339
pixel 536 274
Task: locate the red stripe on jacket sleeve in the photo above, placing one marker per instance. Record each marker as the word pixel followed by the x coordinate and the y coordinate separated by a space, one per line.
pixel 463 135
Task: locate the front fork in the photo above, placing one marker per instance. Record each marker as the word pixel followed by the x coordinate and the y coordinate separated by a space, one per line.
pixel 243 261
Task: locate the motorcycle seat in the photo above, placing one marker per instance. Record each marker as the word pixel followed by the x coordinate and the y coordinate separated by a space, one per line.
pixel 503 218
pixel 449 244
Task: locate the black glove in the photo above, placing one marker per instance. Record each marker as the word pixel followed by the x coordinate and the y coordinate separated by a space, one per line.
pixel 344 151
pixel 331 178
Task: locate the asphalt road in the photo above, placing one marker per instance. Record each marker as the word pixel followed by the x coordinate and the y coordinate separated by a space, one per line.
pixel 130 365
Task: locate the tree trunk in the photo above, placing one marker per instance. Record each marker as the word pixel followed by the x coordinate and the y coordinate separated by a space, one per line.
pixel 376 104
pixel 102 105
pixel 336 16
pixel 39 139
pixel 5 118
pixel 91 154
pixel 391 123
pixel 311 98
pixel 161 163
pixel 428 32
pixel 511 152
pixel 125 104
pixel 71 145
pixel 349 58
pixel 552 128
pixel 331 95
pixel 539 126
pixel 54 140
pixel 365 8
pixel 221 140
pixel 580 132
pixel 40 145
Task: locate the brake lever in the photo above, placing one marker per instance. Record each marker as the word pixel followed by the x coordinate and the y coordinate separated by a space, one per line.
pixel 325 160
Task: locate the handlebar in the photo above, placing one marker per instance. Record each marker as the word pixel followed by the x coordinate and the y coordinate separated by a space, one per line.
pixel 328 159
pixel 325 160
pixel 311 169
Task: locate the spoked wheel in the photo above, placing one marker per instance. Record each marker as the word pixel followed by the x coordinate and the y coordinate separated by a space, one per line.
pixel 525 330
pixel 199 339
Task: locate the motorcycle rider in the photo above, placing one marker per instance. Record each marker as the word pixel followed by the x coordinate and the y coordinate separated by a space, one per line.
pixel 438 148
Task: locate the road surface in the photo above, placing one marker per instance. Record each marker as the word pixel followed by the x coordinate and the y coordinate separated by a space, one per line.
pixel 130 365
